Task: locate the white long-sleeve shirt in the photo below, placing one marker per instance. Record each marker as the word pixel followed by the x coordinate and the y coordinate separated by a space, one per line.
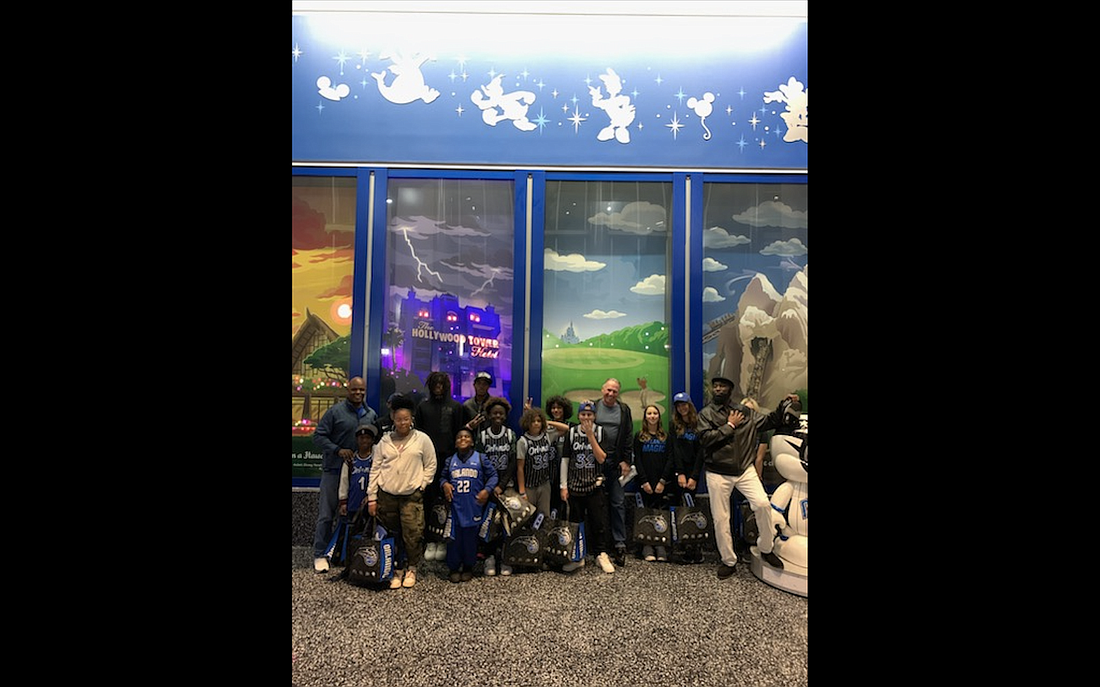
pixel 402 468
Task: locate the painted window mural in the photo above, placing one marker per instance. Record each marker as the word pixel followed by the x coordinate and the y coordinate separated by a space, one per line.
pixel 756 289
pixel 322 242
pixel 605 296
pixel 449 283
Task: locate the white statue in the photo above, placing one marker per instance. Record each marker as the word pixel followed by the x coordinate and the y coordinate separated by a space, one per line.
pixel 790 454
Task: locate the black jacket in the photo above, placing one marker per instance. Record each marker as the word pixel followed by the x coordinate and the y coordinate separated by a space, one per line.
pixel 730 451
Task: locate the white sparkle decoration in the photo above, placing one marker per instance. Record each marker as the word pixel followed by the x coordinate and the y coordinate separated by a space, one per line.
pixel 577 119
pixel 675 126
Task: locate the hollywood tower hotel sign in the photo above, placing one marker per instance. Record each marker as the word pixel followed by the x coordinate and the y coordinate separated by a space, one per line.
pixel 443 335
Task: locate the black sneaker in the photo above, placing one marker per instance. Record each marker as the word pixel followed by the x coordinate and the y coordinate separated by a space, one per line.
pixel 620 555
pixel 455 576
pixel 467 576
pixel 725 571
pixel 771 559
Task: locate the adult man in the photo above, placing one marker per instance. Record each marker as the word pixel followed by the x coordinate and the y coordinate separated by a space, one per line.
pixel 618 442
pixel 440 417
pixel 335 436
pixel 729 434
pixel 475 404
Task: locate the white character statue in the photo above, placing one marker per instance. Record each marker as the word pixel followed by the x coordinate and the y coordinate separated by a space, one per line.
pixel 791 456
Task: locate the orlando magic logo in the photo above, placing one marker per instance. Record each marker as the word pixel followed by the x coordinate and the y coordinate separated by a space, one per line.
pixel 529 543
pixel 369 554
pixel 562 535
pixel 696 518
pixel 660 525
pixel 439 512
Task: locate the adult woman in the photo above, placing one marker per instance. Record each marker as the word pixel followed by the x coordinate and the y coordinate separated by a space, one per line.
pixel 403 466
pixel 687 456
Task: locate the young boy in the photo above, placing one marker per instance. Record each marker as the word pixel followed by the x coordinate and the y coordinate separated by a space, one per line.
pixel 354 477
pixel 467 480
pixel 581 479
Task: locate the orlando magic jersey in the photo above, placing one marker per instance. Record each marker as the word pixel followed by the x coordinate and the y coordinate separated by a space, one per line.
pixel 468 477
pixel 536 464
pixel 583 470
pixel 500 449
pixel 357 481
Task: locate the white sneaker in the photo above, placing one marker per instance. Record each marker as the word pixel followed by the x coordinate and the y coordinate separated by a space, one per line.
pixel 490 566
pixel 320 564
pixel 647 553
pixel 431 551
pixel 570 567
pixel 505 570
pixel 605 563
pixel 395 583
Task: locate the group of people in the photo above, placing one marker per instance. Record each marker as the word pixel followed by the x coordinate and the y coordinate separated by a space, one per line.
pixel 441 451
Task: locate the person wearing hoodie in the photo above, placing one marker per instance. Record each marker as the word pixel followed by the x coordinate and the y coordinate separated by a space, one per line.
pixel 439 416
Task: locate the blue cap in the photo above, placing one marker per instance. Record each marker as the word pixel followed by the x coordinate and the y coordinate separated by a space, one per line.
pixel 587 405
pixel 682 396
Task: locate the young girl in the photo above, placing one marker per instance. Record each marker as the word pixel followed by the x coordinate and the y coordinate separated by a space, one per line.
pixel 534 453
pixel 558 411
pixel 467 480
pixel 498 443
pixel 581 476
pixel 653 459
pixel 687 454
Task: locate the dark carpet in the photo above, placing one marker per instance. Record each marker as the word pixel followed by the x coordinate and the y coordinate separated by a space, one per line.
pixel 645 624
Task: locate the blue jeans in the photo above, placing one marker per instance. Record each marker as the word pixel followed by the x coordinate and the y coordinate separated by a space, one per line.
pixel 615 503
pixel 327 504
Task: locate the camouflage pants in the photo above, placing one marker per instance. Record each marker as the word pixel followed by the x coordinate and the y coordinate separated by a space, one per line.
pixel 404 514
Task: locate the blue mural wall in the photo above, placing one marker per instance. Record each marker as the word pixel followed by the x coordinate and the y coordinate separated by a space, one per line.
pixel 546 91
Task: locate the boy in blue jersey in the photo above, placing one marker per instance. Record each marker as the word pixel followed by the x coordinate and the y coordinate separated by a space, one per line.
pixel 467 479
pixel 354 478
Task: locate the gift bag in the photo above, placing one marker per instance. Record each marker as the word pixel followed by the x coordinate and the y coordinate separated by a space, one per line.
pixel 372 560
pixel 561 538
pixel 651 525
pixel 690 523
pixel 435 520
pixel 526 545
pixel 520 510
pixel 337 551
pixel 581 548
pixel 492 524
pixel 339 547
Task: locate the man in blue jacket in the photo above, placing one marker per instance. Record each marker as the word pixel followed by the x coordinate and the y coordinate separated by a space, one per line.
pixel 335 436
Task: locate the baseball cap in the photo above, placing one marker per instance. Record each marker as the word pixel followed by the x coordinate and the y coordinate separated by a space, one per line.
pixel 681 397
pixel 483 375
pixel 587 406
pixel 722 379
pixel 367 428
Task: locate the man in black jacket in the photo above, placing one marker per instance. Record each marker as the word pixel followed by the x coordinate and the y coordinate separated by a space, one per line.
pixel 728 433
pixel 618 431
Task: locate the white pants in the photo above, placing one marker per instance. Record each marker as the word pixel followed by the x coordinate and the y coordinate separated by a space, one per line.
pixel 720 488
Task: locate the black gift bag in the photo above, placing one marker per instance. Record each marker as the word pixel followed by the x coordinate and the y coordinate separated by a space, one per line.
pixel 691 524
pixel 561 538
pixel 652 526
pixel 526 545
